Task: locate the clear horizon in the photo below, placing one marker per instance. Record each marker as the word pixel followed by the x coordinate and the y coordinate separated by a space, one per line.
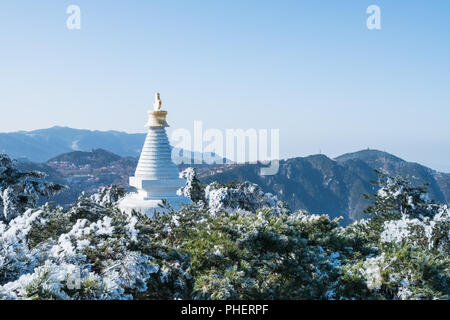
pixel 311 69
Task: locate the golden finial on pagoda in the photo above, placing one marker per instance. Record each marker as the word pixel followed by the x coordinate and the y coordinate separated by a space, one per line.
pixel 157 117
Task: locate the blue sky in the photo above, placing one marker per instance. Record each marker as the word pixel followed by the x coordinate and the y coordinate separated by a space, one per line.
pixel 309 68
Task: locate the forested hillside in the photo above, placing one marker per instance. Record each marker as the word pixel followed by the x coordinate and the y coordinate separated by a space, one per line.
pixel 234 242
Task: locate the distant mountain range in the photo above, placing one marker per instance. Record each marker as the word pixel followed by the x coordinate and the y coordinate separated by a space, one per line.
pixel 42 145
pixel 335 186
pixel 84 171
pixel 315 183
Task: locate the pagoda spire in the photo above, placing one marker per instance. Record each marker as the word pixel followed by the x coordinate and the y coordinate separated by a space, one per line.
pixel 156 175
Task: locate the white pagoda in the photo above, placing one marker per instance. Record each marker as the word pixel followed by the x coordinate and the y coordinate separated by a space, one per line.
pixel 156 175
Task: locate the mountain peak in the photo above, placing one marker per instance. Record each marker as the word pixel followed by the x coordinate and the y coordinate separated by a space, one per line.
pixel 368 154
pixel 97 157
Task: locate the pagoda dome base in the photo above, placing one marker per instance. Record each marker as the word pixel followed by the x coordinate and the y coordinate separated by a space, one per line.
pixel 134 201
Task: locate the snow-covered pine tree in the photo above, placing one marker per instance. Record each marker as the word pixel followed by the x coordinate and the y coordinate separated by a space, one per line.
pixel 193 188
pixel 21 190
pixel 243 250
pixel 397 196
